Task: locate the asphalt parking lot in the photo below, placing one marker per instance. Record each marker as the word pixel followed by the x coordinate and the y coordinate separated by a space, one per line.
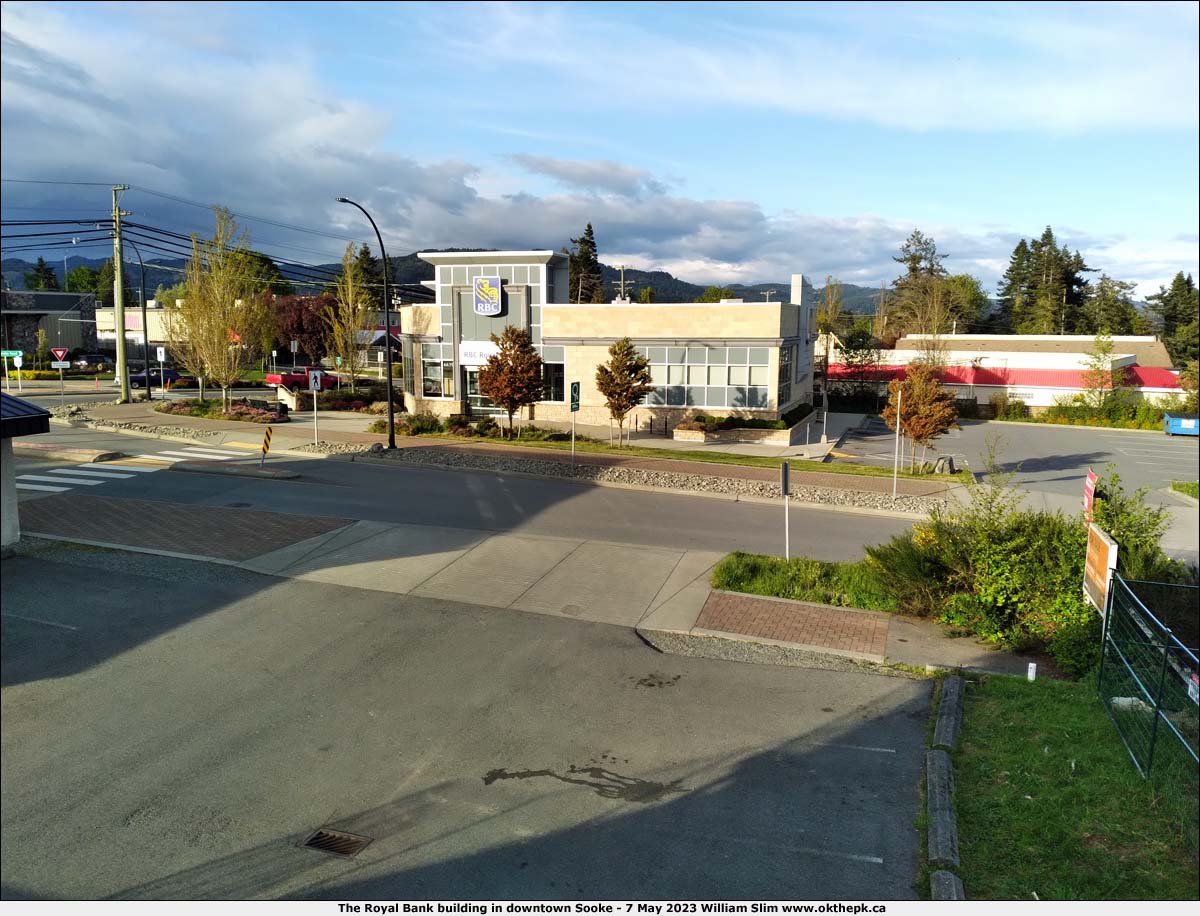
pixel 1051 459
pixel 176 730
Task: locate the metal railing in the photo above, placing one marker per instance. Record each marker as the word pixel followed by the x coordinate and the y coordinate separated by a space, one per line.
pixel 1148 682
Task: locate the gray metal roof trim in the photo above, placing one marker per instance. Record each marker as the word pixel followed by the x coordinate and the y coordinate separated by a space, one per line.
pixel 21 418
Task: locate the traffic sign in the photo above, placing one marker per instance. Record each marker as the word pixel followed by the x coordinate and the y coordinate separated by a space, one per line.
pixel 60 353
pixel 574 396
pixel 337 360
pixel 314 379
pixel 162 354
pixel 9 354
pixel 295 346
pixel 60 364
pixel 18 361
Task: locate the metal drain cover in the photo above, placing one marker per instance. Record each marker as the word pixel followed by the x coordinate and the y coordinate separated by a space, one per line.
pixel 337 842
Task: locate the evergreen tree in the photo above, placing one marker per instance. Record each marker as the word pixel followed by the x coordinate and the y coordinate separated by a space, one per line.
pixel 1177 311
pixel 920 257
pixel 263 274
pixel 371 272
pixel 104 284
pixel 42 277
pixel 587 282
pixel 1016 287
pixel 1109 309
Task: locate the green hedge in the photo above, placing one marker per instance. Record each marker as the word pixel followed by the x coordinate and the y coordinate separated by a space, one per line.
pixel 705 423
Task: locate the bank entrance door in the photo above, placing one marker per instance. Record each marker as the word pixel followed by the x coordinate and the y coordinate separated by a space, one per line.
pixel 477 404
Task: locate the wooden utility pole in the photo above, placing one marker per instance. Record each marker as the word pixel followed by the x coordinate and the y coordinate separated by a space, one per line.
pixel 119 296
pixel 621 294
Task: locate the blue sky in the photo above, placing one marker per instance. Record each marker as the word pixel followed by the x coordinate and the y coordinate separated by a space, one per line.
pixel 736 142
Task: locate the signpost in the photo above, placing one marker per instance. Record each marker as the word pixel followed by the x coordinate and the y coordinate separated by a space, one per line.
pixel 272 360
pixel 314 385
pixel 162 376
pixel 60 363
pixel 896 460
pixel 786 488
pixel 266 447
pixel 7 355
pixel 18 360
pixel 295 349
pixel 1089 493
pixel 574 410
pixel 1098 568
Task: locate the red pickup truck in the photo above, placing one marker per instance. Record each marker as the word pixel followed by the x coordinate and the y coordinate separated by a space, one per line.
pixel 298 378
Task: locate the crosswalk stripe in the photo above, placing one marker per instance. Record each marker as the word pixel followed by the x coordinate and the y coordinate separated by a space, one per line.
pixel 35 486
pixel 88 472
pixel 134 467
pixel 48 479
pixel 160 457
pixel 214 451
pixel 184 456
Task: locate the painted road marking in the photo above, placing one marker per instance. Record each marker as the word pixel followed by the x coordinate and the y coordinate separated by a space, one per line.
pixel 135 467
pixel 184 456
pixel 88 472
pixel 241 445
pixel 214 451
pixel 34 486
pixel 48 479
pixel 161 457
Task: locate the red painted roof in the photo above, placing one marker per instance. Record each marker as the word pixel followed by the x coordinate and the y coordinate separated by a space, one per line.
pixel 1138 376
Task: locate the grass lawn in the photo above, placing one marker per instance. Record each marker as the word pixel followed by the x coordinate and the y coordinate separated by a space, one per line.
pixel 592 446
pixel 854 585
pixel 1049 803
pixel 1191 489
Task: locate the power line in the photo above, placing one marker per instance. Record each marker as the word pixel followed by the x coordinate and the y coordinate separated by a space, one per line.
pixel 30 235
pixel 93 184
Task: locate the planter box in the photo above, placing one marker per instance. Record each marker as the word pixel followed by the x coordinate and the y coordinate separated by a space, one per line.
pixel 781 437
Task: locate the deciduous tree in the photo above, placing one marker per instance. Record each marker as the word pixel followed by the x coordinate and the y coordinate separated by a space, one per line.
pixel 624 381
pixel 346 316
pixel 1102 381
pixel 299 319
pixel 716 294
pixel 927 409
pixel 512 378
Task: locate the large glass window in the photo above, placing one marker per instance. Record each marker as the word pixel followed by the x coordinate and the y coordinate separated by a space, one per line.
pixel 710 377
pixel 553 382
pixel 437 378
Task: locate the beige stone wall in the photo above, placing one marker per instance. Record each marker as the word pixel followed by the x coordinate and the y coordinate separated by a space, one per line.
pixel 690 322
pixel 421 320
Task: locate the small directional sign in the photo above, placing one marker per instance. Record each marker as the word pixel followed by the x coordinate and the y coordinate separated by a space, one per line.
pixel 574 396
pixel 18 361
pixel 8 354
pixel 162 354
pixel 60 353
pixel 60 364
pixel 295 346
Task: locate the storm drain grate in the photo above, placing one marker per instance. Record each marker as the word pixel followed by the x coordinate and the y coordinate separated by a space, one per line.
pixel 337 842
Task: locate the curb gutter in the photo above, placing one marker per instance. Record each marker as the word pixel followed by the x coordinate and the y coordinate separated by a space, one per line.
pixel 944 884
pixel 223 469
pixel 64 453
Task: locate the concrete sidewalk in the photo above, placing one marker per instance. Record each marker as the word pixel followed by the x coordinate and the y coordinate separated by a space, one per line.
pixel 662 593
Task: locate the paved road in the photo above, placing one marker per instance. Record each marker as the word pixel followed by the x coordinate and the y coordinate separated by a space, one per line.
pixel 49 396
pixel 1053 459
pixel 174 730
pixel 476 501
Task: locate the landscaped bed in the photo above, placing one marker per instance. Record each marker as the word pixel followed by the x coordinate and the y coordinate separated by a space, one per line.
pixel 1191 489
pixel 1050 806
pixel 207 409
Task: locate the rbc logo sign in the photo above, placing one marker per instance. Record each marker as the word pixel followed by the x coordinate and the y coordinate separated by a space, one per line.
pixel 487 296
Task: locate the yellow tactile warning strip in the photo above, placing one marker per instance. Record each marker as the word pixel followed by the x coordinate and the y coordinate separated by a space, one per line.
pixel 252 445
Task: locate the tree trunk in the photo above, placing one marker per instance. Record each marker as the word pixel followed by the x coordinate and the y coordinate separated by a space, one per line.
pixel 510 425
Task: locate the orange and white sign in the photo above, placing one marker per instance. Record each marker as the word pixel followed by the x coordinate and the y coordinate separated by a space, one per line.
pixel 1098 567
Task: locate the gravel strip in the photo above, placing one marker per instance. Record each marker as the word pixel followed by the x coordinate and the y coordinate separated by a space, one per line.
pixel 699 483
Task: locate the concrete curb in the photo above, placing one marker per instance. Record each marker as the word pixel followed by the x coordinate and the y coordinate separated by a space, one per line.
pixel 939 794
pixel 104 428
pixel 64 453
pixel 1106 429
pixel 949 719
pixel 728 497
pixel 223 469
pixel 1189 500
pixel 108 545
pixel 734 648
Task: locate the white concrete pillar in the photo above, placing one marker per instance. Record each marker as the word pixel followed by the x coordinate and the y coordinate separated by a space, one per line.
pixel 8 496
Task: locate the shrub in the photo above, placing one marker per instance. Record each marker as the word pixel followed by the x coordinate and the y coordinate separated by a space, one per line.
pixel 537 434
pixel 912 575
pixel 459 424
pixel 378 426
pixel 487 427
pixel 418 423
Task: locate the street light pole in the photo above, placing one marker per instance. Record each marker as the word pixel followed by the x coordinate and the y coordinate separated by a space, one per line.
pixel 387 322
pixel 145 328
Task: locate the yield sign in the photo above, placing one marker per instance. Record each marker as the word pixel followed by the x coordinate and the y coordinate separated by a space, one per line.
pixel 60 353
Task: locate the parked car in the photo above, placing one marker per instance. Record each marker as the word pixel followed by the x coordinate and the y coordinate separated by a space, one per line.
pixel 298 378
pixel 100 362
pixel 157 377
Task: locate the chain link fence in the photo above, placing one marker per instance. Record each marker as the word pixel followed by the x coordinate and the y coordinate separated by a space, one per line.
pixel 1148 682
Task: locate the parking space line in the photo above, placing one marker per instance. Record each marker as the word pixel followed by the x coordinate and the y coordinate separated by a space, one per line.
pixel 48 623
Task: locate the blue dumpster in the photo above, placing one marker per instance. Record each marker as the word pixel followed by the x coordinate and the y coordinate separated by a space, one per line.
pixel 1181 425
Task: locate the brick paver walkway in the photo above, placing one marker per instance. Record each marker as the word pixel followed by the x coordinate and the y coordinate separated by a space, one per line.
pixel 207 531
pixel 819 625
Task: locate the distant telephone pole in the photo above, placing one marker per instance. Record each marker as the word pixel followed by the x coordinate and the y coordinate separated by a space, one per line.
pixel 119 295
pixel 620 284
pixel 768 294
